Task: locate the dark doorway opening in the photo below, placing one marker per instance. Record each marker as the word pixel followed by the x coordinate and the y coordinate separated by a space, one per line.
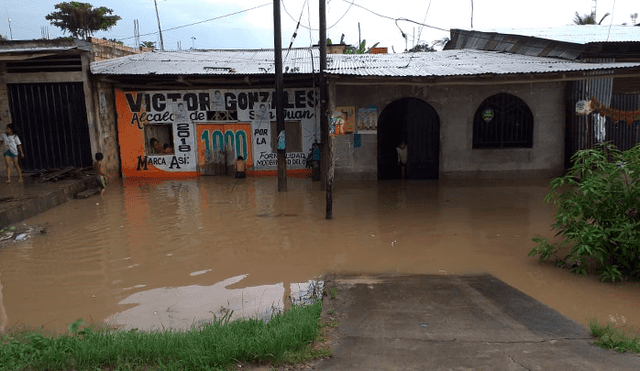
pixel 416 123
pixel 53 124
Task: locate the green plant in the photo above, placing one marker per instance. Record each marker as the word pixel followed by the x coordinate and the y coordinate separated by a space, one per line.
pixel 333 292
pixel 609 337
pixel 598 213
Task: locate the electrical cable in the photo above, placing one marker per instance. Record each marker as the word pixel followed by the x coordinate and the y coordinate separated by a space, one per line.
pixel 309 19
pixel 295 33
pixel 199 22
pixel 398 19
pixel 317 29
pixel 613 9
pixel 423 21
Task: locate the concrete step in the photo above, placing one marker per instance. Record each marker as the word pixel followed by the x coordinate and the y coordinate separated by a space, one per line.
pixel 88 193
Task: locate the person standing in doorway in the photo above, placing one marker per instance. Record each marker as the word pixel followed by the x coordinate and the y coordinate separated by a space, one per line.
pixel 402 157
pixel 12 147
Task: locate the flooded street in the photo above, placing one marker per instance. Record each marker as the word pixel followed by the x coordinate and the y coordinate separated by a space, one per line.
pixel 159 254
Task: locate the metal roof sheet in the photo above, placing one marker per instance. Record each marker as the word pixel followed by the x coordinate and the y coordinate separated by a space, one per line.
pixel 208 62
pixel 37 49
pixel 584 34
pixel 427 64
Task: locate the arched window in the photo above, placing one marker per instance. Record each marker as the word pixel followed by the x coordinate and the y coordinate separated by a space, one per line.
pixel 503 121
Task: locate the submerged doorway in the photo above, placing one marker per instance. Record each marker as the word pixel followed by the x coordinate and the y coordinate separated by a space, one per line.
pixel 416 123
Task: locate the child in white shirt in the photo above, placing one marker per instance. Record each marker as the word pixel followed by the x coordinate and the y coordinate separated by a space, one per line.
pixel 11 148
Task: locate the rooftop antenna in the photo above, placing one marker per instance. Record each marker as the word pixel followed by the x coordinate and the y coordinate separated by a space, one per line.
pixel 9 19
pixel 44 31
pixel 472 13
pixel 594 5
pixel 136 32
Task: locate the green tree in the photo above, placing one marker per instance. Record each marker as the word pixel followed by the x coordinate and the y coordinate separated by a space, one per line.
pixel 148 44
pixel 3 38
pixel 421 48
pixel 81 20
pixel 358 49
pixel 588 19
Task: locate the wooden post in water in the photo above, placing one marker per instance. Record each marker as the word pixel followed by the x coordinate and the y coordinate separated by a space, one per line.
pixel 327 156
pixel 277 43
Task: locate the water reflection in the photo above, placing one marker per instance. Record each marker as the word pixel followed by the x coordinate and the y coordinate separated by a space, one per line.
pixel 187 248
pixel 182 308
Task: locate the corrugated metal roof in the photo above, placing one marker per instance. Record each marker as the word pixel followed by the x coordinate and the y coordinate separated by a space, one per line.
pixel 435 64
pixel 208 62
pixel 37 49
pixel 575 34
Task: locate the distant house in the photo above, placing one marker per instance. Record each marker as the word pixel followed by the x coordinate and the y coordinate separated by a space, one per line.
pixel 463 113
pixel 589 43
pixel 47 91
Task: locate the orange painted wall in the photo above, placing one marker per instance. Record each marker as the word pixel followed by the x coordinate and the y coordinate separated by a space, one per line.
pixel 132 146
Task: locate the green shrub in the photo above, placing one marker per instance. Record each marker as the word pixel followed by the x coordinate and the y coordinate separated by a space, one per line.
pixel 598 213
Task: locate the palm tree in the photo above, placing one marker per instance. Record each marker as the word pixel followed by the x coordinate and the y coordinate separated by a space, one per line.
pixel 588 19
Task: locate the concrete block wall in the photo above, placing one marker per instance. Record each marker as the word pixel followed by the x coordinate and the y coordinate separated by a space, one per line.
pixel 356 163
pixel 4 97
pixel 105 126
pixel 456 106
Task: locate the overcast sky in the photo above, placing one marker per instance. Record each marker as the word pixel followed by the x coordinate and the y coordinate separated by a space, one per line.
pixel 254 28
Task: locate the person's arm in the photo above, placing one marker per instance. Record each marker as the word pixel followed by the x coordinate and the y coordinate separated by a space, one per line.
pixel 20 150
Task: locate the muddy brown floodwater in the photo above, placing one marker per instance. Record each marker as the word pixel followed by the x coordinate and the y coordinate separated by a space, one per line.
pixel 159 254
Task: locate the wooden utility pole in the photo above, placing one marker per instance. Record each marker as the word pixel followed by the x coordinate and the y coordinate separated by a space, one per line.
pixel 159 28
pixel 277 43
pixel 327 160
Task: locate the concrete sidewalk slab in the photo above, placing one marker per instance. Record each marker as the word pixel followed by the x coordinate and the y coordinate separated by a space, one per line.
pixel 24 200
pixel 454 323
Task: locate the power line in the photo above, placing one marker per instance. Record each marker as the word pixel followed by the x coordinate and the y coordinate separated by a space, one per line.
pixel 295 33
pixel 611 23
pixel 423 21
pixel 317 29
pixel 199 22
pixel 397 19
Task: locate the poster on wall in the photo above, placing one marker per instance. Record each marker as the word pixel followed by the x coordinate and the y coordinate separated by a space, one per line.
pixel 188 132
pixel 368 118
pixel 343 120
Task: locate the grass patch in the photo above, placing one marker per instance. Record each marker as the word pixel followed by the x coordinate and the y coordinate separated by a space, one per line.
pixel 315 350
pixel 215 346
pixel 610 337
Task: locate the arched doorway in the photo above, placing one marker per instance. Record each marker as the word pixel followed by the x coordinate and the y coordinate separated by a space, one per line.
pixel 417 124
